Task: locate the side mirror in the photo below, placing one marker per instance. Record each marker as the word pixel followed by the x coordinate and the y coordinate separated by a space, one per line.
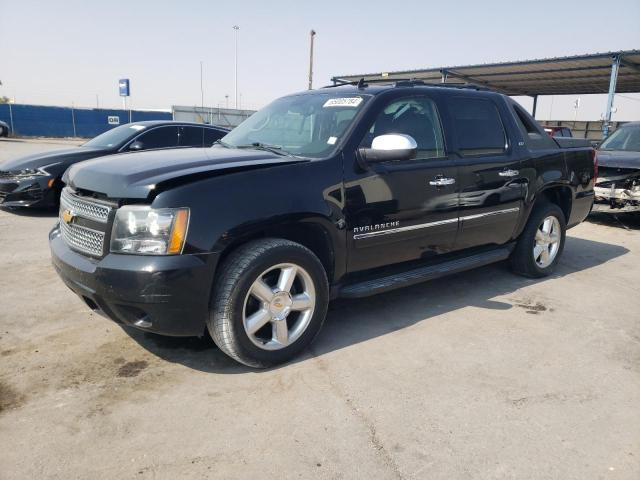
pixel 393 147
pixel 137 145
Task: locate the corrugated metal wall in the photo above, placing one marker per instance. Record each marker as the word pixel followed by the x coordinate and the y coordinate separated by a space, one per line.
pixel 589 130
pixel 224 117
pixel 44 121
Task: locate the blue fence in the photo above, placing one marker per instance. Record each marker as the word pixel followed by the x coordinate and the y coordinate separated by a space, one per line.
pixel 37 120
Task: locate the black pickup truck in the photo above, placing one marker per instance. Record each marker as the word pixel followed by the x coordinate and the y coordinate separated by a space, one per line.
pixel 338 192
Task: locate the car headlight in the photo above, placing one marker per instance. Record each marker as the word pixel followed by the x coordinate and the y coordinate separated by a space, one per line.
pixel 29 173
pixel 143 230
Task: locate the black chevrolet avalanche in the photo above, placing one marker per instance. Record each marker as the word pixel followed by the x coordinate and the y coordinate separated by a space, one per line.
pixel 338 192
pixel 36 180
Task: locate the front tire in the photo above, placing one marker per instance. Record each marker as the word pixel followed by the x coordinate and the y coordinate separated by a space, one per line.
pixel 269 301
pixel 541 243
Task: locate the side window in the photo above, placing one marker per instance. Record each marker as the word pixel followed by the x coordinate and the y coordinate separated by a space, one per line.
pixel 526 124
pixel 415 116
pixel 211 135
pixel 190 136
pixel 531 131
pixel 162 137
pixel 477 127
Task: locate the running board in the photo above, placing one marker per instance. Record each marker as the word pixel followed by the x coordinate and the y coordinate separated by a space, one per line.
pixel 422 274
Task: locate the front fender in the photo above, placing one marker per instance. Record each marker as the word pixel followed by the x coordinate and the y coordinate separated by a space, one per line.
pixel 229 208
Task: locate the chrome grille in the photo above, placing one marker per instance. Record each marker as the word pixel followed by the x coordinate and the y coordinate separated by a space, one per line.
pixel 84 208
pixel 4 174
pixel 81 238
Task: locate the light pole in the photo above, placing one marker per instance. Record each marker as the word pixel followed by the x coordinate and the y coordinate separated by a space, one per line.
pixel 312 34
pixel 201 88
pixel 236 28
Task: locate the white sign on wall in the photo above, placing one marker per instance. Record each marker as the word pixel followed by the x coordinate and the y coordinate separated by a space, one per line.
pixel 113 120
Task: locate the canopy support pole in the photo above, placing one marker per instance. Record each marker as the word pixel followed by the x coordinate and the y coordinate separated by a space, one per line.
pixel 535 106
pixel 615 66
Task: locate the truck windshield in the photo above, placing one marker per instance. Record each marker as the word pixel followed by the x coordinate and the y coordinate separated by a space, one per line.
pixel 306 125
pixel 623 139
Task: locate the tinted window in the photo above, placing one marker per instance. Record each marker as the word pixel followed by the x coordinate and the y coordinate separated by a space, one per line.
pixel 211 135
pixel 527 124
pixel 477 127
pixel 162 137
pixel 416 117
pixel 190 137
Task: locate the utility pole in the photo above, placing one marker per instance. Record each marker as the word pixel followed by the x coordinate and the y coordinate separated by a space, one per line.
pixel 236 28
pixel 226 98
pixel 201 88
pixel 312 34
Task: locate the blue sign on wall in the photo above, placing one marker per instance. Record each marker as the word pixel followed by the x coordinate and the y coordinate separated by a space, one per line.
pixel 123 85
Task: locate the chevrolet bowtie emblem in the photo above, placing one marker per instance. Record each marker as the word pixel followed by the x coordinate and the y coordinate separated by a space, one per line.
pixel 67 216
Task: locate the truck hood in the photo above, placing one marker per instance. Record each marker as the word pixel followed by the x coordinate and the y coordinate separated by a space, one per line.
pixel 66 156
pixel 618 159
pixel 137 175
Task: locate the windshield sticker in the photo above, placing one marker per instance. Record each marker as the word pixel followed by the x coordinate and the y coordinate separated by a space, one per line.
pixel 343 102
pixel 137 127
pixel 332 140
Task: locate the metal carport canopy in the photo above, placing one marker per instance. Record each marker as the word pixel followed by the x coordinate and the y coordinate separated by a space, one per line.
pixel 575 75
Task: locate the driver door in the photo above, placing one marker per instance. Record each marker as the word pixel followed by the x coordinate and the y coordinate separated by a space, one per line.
pixel 399 211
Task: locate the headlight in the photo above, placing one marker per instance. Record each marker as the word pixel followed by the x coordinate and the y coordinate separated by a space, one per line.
pixel 29 173
pixel 144 230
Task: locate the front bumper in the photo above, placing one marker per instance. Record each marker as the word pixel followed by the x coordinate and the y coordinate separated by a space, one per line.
pixel 618 197
pixel 168 295
pixel 27 192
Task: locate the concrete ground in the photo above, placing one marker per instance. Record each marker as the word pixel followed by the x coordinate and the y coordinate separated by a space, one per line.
pixel 483 375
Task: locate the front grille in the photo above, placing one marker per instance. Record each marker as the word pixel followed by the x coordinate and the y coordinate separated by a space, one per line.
pixel 84 208
pixel 88 222
pixel 34 191
pixel 84 239
pixel 4 174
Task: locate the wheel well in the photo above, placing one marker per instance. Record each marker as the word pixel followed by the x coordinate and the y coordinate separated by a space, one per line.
pixel 561 196
pixel 310 235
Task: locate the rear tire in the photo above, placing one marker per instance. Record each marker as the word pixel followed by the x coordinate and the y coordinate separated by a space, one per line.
pixel 269 301
pixel 541 243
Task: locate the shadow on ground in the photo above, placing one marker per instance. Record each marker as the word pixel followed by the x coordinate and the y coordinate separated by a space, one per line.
pixel 350 322
pixel 31 212
pixel 626 220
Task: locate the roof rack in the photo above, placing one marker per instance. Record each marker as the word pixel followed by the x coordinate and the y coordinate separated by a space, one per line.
pixel 403 82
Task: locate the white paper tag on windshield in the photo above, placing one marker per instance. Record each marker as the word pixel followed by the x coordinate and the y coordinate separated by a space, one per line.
pixel 343 102
pixel 137 127
pixel 332 140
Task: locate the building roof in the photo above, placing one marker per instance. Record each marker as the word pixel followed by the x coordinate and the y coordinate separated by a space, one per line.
pixel 579 74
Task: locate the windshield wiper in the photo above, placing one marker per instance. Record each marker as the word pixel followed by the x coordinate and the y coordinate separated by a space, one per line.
pixel 220 142
pixel 277 149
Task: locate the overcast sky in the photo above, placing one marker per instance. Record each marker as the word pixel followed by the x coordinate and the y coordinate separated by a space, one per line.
pixel 63 52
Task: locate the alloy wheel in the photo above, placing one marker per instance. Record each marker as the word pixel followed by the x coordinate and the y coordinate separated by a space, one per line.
pixel 279 306
pixel 547 242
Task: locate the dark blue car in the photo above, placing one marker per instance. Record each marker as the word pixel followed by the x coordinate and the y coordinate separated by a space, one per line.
pixel 36 180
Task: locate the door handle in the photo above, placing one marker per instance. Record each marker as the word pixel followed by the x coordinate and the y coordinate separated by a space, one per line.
pixel 508 173
pixel 440 181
